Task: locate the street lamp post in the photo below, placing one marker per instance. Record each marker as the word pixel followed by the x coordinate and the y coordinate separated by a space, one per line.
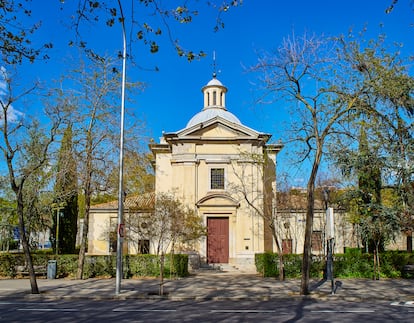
pixel 120 231
pixel 58 207
pixel 57 229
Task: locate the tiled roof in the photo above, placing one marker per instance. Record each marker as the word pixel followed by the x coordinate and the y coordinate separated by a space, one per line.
pixel 293 202
pixel 137 202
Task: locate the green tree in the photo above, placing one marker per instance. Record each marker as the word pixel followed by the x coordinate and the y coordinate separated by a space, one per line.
pixel 66 196
pixel 37 209
pixel 138 175
pixel 386 137
pixel 334 83
pixel 8 222
pixel 377 223
pixel 25 147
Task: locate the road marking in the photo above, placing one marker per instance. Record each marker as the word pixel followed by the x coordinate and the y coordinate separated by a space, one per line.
pixel 25 303
pixel 242 311
pixel 408 304
pixel 140 310
pixel 48 309
pixel 343 311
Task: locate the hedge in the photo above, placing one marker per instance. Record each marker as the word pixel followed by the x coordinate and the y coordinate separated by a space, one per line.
pixel 267 264
pixel 353 264
pixel 99 266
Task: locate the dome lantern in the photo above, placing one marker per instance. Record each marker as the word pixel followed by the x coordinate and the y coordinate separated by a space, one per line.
pixel 214 94
pixel 214 104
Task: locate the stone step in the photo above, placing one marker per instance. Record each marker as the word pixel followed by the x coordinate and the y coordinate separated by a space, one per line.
pixel 230 268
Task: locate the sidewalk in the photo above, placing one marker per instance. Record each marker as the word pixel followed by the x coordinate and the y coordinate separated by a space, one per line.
pixel 210 286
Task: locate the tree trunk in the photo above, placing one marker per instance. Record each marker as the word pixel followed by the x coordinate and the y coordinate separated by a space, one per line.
pixel 281 267
pixel 280 255
pixel 376 262
pixel 88 195
pixel 307 248
pixel 161 290
pixel 84 241
pixel 25 243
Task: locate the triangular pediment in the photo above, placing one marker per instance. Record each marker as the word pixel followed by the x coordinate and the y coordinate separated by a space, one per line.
pixel 219 128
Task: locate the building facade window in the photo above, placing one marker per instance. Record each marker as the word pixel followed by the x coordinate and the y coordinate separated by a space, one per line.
pixel 317 241
pixel 286 246
pixel 217 178
pixel 214 98
pixel 113 234
pixel 143 246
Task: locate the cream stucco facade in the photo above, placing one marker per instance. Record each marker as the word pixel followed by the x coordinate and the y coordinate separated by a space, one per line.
pixel 210 164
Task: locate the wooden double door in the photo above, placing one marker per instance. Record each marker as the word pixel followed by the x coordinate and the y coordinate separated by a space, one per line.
pixel 217 240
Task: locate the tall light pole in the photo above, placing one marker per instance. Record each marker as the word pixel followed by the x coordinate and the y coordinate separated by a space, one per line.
pixel 58 207
pixel 120 231
pixel 57 229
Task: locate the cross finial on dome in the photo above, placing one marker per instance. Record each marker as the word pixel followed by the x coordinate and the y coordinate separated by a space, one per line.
pixel 214 65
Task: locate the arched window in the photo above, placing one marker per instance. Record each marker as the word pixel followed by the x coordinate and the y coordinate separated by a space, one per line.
pixel 214 98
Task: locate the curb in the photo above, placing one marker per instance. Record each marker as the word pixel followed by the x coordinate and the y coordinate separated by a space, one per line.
pixel 172 297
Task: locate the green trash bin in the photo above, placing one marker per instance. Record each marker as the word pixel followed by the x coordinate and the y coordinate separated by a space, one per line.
pixel 51 269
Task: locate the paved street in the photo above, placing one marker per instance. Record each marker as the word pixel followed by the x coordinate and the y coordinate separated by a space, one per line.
pixel 294 310
pixel 207 296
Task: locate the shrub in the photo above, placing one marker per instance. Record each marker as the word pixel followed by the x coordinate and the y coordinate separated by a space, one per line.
pixel 266 264
pixel 353 264
pixel 177 265
pixel 8 263
pixel 143 265
pixel 99 266
pixel 67 265
pixel 393 262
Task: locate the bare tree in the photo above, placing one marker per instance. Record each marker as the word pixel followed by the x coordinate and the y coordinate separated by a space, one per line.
pixel 305 71
pixel 25 147
pixel 261 199
pixel 172 226
pixel 91 99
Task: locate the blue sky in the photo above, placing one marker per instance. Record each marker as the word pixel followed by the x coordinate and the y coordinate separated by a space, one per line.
pixel 173 94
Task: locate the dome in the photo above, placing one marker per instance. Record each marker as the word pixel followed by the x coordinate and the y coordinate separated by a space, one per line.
pixel 214 82
pixel 211 113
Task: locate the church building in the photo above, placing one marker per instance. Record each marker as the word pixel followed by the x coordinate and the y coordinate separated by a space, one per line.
pixel 226 172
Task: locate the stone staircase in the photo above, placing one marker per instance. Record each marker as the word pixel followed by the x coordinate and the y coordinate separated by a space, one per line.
pixel 229 268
